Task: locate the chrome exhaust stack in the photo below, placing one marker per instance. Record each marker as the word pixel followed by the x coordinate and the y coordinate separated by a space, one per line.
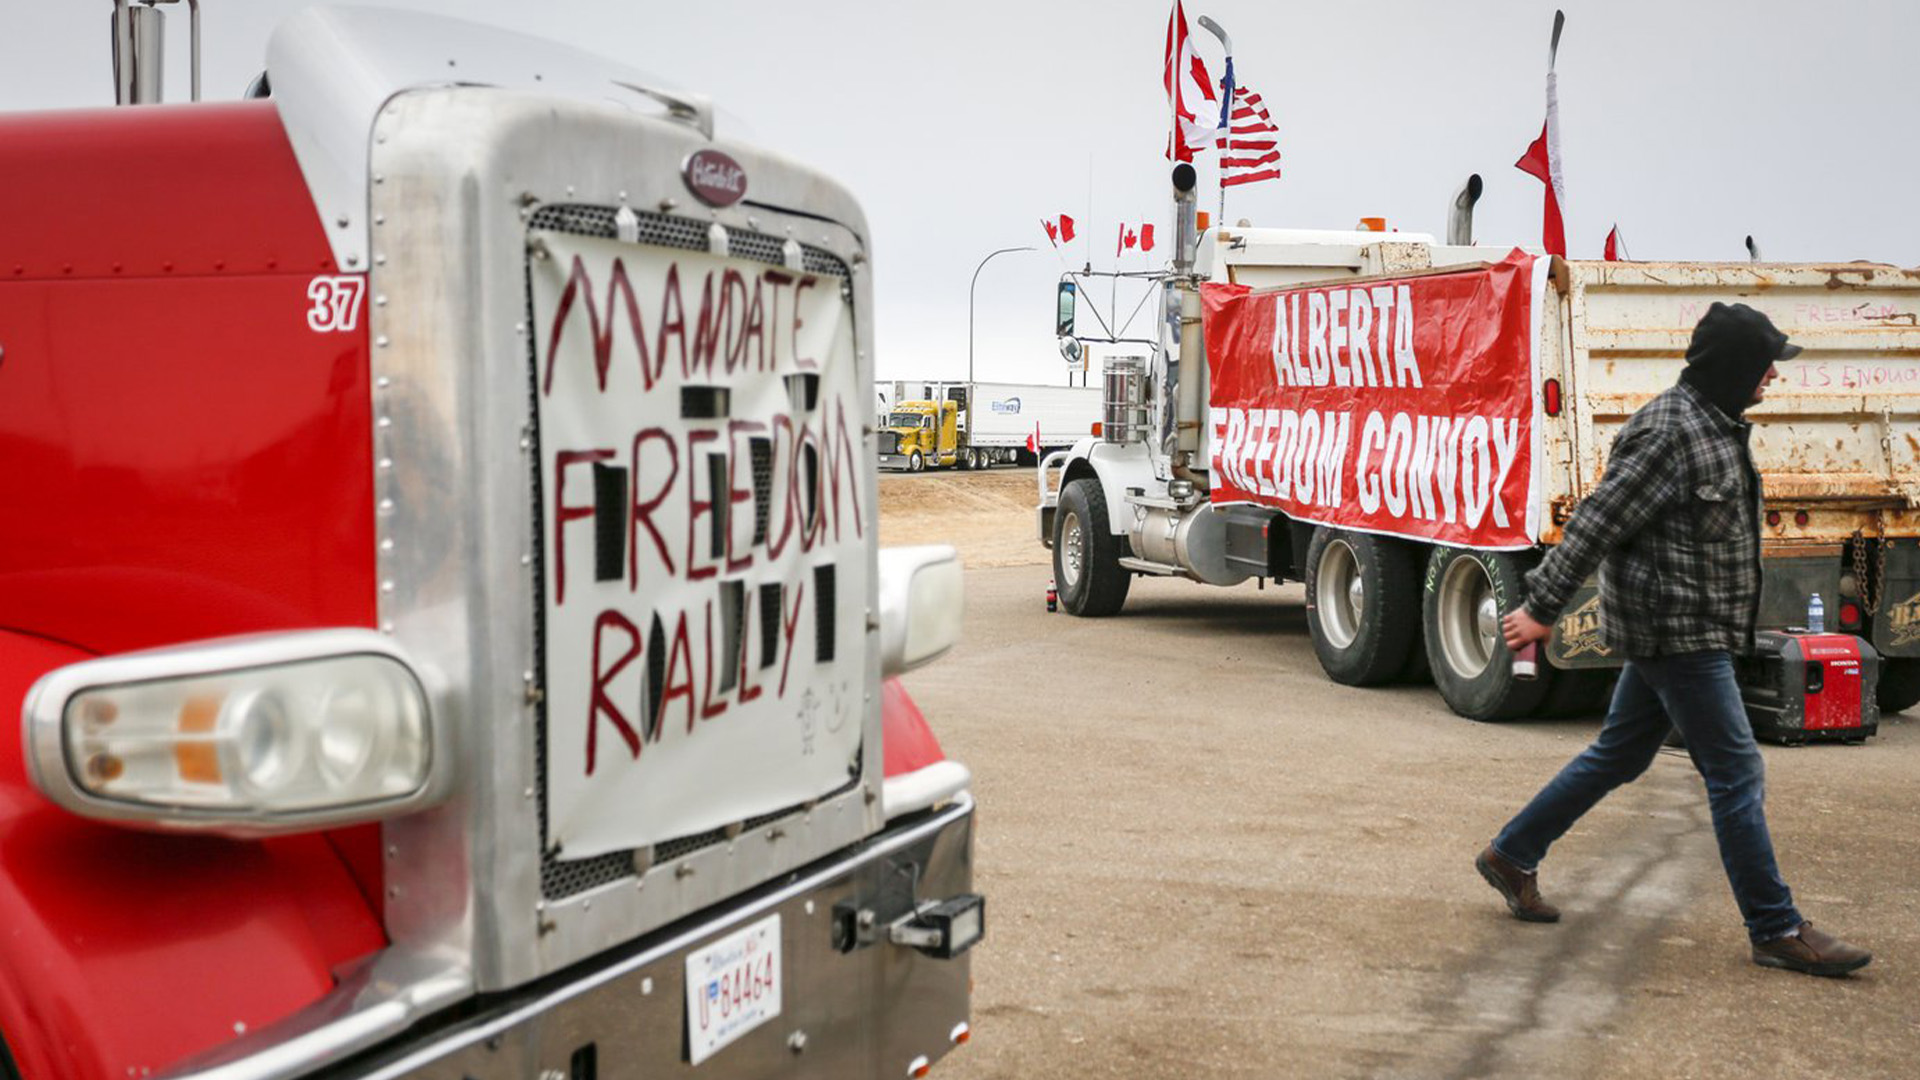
pixel 1460 220
pixel 1185 227
pixel 140 47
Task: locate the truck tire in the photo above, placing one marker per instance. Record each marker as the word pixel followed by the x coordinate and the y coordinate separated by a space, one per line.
pixel 915 462
pixel 1466 593
pixel 1086 556
pixel 1363 596
pixel 1899 688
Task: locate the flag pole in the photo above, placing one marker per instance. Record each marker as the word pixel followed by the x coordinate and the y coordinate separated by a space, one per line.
pixel 1226 109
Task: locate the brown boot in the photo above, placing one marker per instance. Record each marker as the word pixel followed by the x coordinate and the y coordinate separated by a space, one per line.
pixel 1815 952
pixel 1520 889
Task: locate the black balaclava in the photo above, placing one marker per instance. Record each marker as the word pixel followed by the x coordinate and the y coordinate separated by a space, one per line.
pixel 1732 347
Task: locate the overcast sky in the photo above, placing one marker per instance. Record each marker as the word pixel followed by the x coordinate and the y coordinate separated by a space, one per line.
pixel 960 126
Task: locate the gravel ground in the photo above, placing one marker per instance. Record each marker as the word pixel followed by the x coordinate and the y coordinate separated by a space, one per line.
pixel 1204 859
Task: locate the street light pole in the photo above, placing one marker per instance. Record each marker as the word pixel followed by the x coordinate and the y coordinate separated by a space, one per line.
pixel 970 286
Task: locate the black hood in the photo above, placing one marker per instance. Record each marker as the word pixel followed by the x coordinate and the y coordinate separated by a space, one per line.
pixel 1731 350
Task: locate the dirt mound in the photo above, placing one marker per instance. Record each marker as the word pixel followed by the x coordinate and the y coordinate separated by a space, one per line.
pixel 987 515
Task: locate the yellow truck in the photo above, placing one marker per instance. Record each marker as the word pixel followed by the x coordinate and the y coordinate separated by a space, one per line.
pixel 918 434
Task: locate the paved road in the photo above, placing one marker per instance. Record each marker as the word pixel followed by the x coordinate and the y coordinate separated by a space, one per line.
pixel 1203 859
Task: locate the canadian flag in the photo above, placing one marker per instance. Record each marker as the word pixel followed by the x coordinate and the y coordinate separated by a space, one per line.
pixel 1129 238
pixel 1059 231
pixel 1187 84
pixel 1033 440
pixel 1542 159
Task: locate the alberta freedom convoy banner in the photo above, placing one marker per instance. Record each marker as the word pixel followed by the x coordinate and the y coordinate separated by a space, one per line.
pixel 704 550
pixel 1390 406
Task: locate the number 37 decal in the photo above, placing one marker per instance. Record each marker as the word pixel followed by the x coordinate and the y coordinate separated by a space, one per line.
pixel 336 303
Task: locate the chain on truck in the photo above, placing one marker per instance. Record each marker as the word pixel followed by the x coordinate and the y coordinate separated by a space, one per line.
pixel 441 588
pixel 1442 411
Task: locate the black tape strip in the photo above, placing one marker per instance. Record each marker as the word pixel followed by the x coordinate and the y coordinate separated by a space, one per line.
pixel 609 522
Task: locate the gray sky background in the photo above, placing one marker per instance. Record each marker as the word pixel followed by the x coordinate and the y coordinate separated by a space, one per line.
pixel 960 126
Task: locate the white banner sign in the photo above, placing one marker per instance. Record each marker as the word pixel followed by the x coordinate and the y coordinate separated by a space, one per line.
pixel 706 566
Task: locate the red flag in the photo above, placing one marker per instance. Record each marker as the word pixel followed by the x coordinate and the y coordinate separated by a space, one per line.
pixel 1542 159
pixel 1614 247
pixel 1066 229
pixel 1033 440
pixel 1146 237
pixel 1053 232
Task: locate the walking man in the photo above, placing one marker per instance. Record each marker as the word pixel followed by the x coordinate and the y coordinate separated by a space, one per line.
pixel 1674 528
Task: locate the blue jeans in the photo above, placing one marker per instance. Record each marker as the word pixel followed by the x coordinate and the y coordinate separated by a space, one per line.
pixel 1696 693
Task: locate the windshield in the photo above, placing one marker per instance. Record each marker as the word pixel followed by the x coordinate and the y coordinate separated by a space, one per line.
pixel 909 419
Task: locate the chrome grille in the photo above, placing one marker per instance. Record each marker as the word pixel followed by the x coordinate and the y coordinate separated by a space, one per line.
pixel 687 234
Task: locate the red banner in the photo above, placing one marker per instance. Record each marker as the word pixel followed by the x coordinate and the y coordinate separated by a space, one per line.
pixel 1391 406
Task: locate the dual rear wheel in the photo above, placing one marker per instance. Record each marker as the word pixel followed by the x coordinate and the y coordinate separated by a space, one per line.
pixel 1381 611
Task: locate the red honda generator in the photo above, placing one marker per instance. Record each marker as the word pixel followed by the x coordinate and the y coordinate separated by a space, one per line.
pixel 1802 687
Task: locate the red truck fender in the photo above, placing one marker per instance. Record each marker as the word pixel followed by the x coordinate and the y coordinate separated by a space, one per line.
pixel 125 951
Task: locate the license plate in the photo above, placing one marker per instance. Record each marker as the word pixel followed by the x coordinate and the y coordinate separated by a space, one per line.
pixel 733 986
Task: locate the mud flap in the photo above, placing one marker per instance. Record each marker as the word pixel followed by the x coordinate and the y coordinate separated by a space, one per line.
pixel 1576 641
pixel 1896 626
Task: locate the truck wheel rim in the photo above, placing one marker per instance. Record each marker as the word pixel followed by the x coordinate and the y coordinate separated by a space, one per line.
pixel 914 462
pixel 1072 550
pixel 1469 622
pixel 1342 594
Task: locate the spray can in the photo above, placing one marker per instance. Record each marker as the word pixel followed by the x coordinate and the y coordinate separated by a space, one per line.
pixel 1053 597
pixel 1526 661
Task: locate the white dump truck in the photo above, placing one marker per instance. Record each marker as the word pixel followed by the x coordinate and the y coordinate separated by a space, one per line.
pixel 1406 425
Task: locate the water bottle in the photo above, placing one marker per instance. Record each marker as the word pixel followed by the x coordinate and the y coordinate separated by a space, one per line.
pixel 1816 615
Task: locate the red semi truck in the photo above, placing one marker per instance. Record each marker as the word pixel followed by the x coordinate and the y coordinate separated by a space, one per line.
pixel 440 588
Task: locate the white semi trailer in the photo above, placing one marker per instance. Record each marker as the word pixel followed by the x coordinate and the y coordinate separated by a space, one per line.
pixel 1186 481
pixel 989 423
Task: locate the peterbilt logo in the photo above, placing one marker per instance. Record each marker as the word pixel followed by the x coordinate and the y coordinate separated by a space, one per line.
pixel 715 178
pixel 1010 406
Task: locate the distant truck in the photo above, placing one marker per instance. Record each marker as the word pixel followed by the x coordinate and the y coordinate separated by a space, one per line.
pixel 1405 426
pixel 977 425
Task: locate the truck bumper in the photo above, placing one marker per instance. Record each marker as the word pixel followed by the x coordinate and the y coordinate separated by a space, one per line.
pixel 853 1004
pixel 894 461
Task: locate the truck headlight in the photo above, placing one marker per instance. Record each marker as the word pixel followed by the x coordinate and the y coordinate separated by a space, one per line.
pixel 247 736
pixel 921 604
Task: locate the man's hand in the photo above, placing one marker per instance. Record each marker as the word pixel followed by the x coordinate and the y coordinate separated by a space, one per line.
pixel 1519 628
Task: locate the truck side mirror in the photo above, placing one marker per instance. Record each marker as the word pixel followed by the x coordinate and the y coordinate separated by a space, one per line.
pixel 920 605
pixel 1063 322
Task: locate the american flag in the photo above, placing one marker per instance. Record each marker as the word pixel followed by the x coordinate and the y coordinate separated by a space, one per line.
pixel 1249 143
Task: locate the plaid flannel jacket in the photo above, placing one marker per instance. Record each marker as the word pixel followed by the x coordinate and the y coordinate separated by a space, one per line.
pixel 1674 527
